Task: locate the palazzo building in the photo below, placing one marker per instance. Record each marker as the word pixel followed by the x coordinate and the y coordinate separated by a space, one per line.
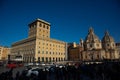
pixel 4 52
pixel 39 46
pixel 94 49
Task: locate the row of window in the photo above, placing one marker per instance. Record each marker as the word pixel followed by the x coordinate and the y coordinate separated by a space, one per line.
pixel 40 25
pixel 51 45
pixel 33 26
pixel 92 57
pixel 49 59
pixel 43 35
pixel 109 45
pixel 43 52
pixel 91 45
pixel 40 30
pixel 43 25
pixel 43 59
pixel 25 51
pixel 51 48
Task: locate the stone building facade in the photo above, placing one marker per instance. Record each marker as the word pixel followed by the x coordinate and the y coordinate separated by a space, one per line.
pixel 73 51
pixel 118 48
pixel 4 52
pixel 94 49
pixel 39 46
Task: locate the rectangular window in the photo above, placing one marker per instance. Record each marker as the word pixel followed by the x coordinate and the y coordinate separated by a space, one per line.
pixel 50 59
pixel 42 59
pixel 38 59
pixel 46 52
pixel 43 26
pixel 46 59
pixel 90 45
pixel 61 59
pixel 38 52
pixel 47 27
pixel 40 24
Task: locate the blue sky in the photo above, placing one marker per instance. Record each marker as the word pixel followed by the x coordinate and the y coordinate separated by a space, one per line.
pixel 70 19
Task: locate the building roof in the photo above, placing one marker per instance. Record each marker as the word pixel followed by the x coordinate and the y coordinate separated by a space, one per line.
pixel 107 38
pixel 91 37
pixel 40 20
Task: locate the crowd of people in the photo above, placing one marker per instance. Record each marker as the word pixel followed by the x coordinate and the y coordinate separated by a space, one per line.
pixel 102 71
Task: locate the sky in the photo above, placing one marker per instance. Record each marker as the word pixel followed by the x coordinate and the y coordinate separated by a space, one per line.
pixel 70 19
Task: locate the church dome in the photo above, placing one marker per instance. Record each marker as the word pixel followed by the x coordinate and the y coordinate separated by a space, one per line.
pixel 107 38
pixel 91 37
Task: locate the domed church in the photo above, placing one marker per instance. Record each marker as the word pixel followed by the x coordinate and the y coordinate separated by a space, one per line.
pixel 92 41
pixel 108 42
pixel 95 50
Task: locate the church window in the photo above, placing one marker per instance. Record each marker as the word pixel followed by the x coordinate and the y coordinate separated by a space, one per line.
pixel 98 56
pixel 108 45
pixel 86 56
pixel 90 45
pixel 97 45
pixel 113 44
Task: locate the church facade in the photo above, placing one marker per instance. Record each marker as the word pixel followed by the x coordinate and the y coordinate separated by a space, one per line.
pixel 94 49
